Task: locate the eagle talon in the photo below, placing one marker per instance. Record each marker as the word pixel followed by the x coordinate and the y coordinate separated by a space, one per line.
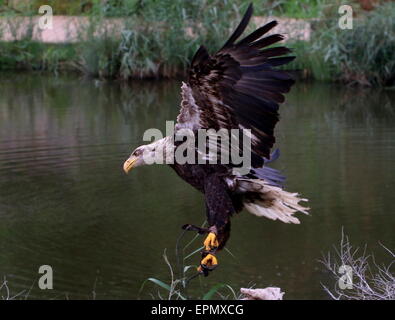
pixel 211 242
pixel 208 263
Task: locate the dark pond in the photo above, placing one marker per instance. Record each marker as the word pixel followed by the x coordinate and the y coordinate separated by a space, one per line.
pixel 65 201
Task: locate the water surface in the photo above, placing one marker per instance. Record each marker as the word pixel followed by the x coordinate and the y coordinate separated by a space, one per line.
pixel 65 201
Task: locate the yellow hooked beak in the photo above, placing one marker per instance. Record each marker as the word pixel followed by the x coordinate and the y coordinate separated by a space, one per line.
pixel 128 165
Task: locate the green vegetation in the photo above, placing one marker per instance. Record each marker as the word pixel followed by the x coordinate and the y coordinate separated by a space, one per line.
pixel 182 275
pixel 157 39
pixel 177 286
pixel 28 55
pixel 364 55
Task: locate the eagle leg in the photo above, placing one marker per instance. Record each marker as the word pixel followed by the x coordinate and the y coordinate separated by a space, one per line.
pixel 209 261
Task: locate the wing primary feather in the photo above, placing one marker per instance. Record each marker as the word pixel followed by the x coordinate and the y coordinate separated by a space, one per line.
pixel 276 51
pixel 256 68
pixel 257 33
pixel 240 28
pixel 267 41
pixel 280 61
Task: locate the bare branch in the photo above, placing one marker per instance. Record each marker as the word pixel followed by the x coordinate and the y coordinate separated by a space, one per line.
pixel 370 281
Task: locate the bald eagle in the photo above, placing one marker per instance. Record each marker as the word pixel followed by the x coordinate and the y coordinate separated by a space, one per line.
pixel 239 87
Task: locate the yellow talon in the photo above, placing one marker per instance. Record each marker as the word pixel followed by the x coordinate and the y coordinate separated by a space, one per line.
pixel 208 261
pixel 211 242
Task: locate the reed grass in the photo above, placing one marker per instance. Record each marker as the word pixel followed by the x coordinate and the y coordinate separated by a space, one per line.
pixel 159 40
pixel 363 55
pixel 366 54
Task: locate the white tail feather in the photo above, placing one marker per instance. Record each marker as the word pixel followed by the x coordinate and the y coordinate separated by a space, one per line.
pixel 275 203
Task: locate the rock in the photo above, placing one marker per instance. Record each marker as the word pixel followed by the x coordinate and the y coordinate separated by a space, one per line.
pixel 269 293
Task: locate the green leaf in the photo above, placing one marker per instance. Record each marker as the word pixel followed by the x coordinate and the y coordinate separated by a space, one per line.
pixel 216 288
pixel 157 282
pixel 213 291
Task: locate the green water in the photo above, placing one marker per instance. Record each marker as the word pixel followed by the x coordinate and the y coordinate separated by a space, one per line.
pixel 65 201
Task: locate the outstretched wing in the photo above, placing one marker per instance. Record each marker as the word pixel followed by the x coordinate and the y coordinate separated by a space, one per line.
pixel 239 87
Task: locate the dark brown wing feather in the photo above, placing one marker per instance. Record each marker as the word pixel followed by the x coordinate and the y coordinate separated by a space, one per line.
pixel 239 87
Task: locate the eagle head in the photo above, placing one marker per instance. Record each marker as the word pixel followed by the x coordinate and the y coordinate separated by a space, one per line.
pixel 157 152
pixel 136 159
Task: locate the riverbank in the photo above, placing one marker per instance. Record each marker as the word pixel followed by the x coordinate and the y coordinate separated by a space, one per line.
pixel 147 45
